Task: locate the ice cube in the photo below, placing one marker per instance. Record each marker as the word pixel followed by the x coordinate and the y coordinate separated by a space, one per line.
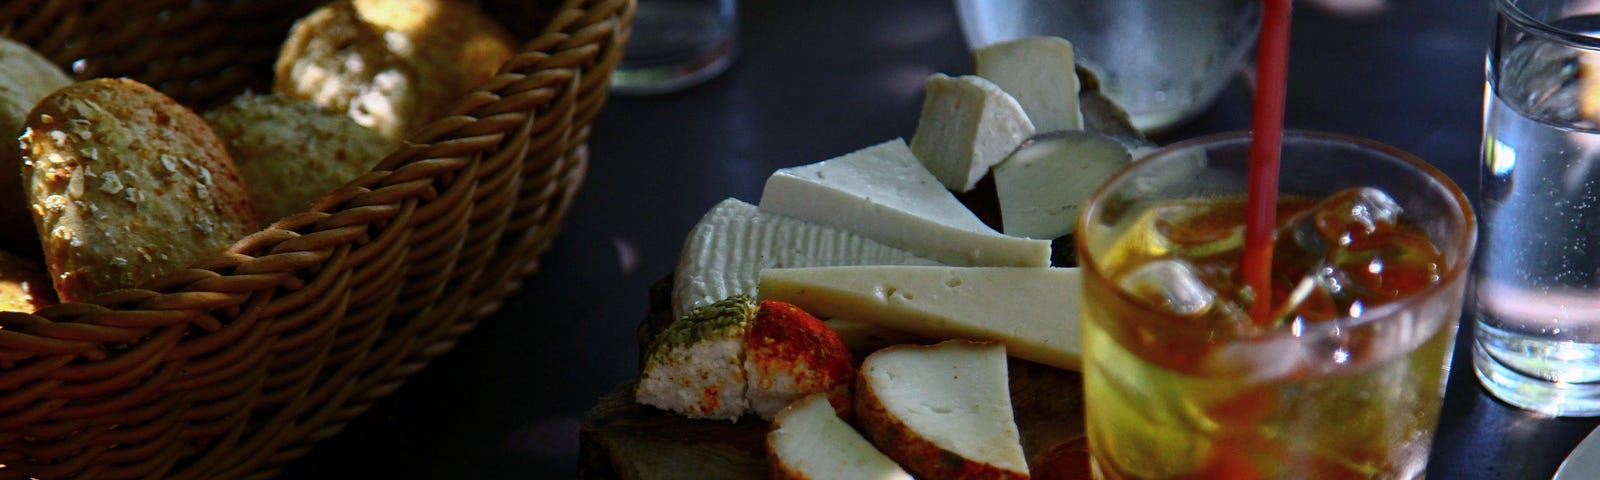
pixel 1171 284
pixel 1345 218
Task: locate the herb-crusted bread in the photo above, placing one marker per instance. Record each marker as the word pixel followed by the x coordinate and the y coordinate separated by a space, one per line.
pixel 291 152
pixel 126 185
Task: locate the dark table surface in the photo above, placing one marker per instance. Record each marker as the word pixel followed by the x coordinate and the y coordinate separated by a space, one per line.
pixel 816 79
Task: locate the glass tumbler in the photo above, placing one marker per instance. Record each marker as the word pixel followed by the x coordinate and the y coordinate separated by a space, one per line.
pixel 1180 382
pixel 677 44
pixel 1537 278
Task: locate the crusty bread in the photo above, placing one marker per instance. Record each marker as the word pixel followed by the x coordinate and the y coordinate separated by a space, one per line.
pixel 24 284
pixel 454 45
pixel 291 152
pixel 127 185
pixel 808 440
pixel 25 77
pixel 942 411
pixel 392 65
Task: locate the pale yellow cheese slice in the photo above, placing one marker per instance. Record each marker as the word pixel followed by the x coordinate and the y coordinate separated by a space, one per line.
pixel 1033 311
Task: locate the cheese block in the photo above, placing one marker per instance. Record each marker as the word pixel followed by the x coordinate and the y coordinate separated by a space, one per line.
pixel 967 125
pixel 808 440
pixel 695 366
pixel 1033 311
pixel 1039 72
pixel 734 241
pixel 1043 185
pixel 883 193
pixel 942 411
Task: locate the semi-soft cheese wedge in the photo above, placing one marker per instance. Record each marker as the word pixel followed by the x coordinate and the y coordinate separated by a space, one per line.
pixel 883 193
pixel 809 441
pixel 1043 185
pixel 967 125
pixel 942 411
pixel 1039 72
pixel 734 241
pixel 1033 311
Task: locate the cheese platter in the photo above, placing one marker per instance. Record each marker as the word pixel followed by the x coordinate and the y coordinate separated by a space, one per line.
pixel 938 244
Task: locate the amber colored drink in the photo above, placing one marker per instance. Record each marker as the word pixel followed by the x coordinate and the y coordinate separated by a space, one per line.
pixel 1344 381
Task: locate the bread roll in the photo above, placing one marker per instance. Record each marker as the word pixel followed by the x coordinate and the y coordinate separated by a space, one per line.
pixel 127 185
pixel 25 77
pixel 392 65
pixel 24 284
pixel 292 152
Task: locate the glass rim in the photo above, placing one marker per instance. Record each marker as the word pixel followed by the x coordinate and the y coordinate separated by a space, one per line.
pixel 1462 246
pixel 1511 11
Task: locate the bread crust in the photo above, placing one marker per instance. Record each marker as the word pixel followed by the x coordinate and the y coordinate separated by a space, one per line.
pixel 25 78
pixel 126 185
pixel 24 284
pixel 392 65
pixel 292 152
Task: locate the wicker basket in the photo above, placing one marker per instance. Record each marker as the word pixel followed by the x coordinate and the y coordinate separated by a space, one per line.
pixel 241 363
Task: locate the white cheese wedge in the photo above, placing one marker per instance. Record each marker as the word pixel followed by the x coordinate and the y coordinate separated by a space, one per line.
pixel 884 194
pixel 730 245
pixel 1044 184
pixel 808 440
pixel 967 125
pixel 942 411
pixel 1033 311
pixel 1039 72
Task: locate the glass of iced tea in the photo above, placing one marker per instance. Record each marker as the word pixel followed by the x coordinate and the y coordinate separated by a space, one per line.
pixel 1346 376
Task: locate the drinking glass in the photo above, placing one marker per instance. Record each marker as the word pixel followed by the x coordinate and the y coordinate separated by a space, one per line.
pixel 1164 61
pixel 677 44
pixel 1537 277
pixel 1179 382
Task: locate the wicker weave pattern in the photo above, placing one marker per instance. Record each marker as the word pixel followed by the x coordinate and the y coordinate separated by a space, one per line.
pixel 241 363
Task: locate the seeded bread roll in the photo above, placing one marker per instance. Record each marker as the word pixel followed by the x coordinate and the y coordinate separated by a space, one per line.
pixel 127 185
pixel 392 65
pixel 291 152
pixel 24 285
pixel 25 77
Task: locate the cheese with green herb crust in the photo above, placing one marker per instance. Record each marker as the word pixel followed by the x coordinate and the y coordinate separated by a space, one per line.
pixel 734 241
pixel 1033 311
pixel 696 365
pixel 883 193
pixel 967 125
pixel 1041 74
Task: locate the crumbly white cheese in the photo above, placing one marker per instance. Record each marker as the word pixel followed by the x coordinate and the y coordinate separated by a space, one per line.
pixel 1039 72
pixel 1043 185
pixel 809 440
pixel 1033 311
pixel 967 125
pixel 955 395
pixel 883 193
pixel 730 245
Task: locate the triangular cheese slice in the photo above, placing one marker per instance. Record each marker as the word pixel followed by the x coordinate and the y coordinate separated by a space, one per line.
pixel 1033 311
pixel 884 193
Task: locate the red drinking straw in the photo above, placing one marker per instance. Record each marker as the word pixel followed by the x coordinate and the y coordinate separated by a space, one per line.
pixel 1266 145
